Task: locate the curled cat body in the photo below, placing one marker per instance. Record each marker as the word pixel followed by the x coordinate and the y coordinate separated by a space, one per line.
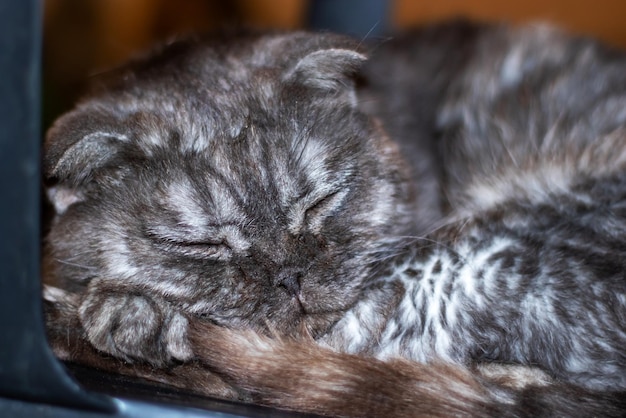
pixel 432 227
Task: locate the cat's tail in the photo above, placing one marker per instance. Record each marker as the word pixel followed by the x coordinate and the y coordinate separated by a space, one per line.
pixel 305 377
pixel 302 376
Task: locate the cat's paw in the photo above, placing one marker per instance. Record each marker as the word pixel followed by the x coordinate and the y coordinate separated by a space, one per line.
pixel 134 327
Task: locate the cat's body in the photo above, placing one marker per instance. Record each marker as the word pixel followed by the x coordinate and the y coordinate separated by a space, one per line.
pixel 247 182
pixel 533 137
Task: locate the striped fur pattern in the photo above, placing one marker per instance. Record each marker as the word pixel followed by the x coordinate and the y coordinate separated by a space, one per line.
pixel 238 204
pixel 241 190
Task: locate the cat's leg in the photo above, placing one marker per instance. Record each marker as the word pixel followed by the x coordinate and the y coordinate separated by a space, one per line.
pixel 133 326
pixel 539 285
pixel 69 343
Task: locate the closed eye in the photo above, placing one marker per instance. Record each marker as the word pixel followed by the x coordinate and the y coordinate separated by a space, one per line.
pixel 195 249
pixel 207 248
pixel 323 208
pixel 320 205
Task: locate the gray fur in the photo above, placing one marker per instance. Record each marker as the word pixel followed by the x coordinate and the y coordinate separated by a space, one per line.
pixel 250 182
pixel 528 266
pixel 235 189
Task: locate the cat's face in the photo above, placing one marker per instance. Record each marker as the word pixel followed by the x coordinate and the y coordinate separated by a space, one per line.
pixel 248 193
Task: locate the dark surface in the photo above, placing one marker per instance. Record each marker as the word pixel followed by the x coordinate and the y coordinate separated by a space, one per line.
pixel 359 18
pixel 140 390
pixel 125 408
pixel 28 371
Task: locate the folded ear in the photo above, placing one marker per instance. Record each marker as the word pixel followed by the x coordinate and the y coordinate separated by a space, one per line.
pixel 328 70
pixel 80 142
pixel 76 146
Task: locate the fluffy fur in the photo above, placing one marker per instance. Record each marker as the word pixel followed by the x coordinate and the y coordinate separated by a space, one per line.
pixel 237 204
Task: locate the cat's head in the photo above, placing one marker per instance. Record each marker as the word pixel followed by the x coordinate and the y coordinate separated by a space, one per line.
pixel 236 178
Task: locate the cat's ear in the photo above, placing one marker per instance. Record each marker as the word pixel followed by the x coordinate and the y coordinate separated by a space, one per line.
pixel 77 145
pixel 329 70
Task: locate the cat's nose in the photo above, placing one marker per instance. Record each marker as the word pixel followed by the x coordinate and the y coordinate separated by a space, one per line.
pixel 289 279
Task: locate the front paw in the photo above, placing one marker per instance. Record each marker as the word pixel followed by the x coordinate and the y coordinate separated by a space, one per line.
pixel 134 327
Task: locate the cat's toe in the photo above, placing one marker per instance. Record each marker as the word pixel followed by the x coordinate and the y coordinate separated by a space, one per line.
pixel 135 332
pixel 175 337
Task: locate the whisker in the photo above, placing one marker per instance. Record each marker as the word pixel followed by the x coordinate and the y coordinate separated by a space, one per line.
pixel 374 26
pixel 82 266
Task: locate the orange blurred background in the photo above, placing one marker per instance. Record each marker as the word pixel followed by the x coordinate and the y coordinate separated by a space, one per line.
pixel 83 37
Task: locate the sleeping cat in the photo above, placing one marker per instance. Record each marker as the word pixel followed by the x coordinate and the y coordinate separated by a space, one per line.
pixel 277 218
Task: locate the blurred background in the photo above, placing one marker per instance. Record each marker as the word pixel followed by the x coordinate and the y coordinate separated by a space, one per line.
pixel 85 37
